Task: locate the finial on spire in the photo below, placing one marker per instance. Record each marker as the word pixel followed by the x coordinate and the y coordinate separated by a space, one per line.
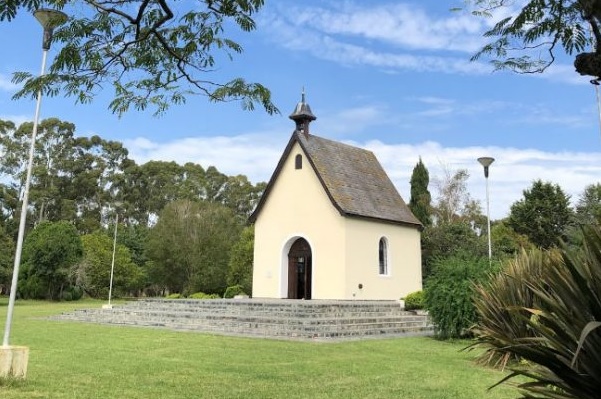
pixel 302 115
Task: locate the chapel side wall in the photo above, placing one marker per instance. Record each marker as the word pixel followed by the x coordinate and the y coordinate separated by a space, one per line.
pixel 298 206
pixel 404 260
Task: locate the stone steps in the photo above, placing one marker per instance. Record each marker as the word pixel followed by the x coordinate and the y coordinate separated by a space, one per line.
pixel 291 319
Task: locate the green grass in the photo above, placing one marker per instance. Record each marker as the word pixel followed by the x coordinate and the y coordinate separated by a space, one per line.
pixel 77 360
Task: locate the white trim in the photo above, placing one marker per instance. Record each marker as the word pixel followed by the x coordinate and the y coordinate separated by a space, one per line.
pixel 287 244
pixel 386 256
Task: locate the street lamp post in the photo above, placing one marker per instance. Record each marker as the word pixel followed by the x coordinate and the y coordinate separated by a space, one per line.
pixel 110 306
pixel 14 359
pixel 49 19
pixel 486 162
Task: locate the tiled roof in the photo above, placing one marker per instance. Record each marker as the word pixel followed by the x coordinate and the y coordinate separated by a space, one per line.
pixel 353 179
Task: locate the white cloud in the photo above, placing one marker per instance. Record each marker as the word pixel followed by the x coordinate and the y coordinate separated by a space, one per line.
pixel 6 84
pixel 397 37
pixel 253 155
pixel 256 155
pixel 355 119
pixel 332 49
pixel 396 24
pixel 16 119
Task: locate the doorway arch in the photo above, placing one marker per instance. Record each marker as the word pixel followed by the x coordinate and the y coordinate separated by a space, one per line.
pixel 300 270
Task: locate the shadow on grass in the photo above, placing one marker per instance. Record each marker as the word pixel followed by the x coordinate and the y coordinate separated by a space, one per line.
pixel 8 382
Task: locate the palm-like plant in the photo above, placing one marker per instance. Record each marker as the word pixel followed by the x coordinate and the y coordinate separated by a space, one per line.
pixel 545 309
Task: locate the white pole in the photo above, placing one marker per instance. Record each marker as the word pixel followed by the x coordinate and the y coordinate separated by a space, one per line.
pixel 488 217
pixel 113 261
pixel 23 219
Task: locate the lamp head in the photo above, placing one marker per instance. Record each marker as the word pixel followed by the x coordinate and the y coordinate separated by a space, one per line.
pixel 49 19
pixel 486 162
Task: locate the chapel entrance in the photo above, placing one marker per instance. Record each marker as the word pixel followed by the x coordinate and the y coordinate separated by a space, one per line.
pixel 299 270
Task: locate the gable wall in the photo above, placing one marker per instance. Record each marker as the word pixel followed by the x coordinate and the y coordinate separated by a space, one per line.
pixel 404 260
pixel 298 206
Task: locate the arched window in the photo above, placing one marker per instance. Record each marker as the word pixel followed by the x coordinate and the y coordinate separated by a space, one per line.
pixel 383 256
pixel 298 161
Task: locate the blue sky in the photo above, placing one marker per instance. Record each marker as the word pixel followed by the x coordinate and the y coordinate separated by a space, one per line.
pixel 390 76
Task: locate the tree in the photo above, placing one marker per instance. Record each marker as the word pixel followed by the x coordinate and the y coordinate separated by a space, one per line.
pixel 49 253
pixel 506 242
pixel 93 272
pixel 528 41
pixel 73 178
pixel 189 248
pixel 454 202
pixel 543 215
pixel 154 53
pixel 7 252
pixel 588 207
pixel 444 240
pixel 240 270
pixel 420 203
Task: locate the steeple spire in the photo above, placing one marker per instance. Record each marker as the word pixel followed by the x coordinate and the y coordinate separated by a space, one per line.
pixel 302 115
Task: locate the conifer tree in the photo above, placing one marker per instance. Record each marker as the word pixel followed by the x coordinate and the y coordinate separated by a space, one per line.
pixel 420 196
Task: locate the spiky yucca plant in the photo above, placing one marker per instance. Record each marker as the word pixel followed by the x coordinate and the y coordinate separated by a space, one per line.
pixel 545 309
pixel 502 304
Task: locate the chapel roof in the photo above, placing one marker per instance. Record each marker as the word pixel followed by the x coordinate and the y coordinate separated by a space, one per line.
pixel 352 177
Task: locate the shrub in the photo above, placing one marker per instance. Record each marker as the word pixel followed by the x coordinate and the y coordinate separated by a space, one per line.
pixel 175 295
pixel 202 295
pixel 449 294
pixel 501 303
pixel 564 319
pixel 76 292
pixel 414 300
pixel 234 290
pixel 32 287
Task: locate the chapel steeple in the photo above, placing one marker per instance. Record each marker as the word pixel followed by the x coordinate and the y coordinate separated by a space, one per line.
pixel 302 116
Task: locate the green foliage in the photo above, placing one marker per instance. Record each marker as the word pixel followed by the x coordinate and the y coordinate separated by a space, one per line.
pixel 506 242
pixel 501 302
pixel 175 295
pixel 7 253
pixel 49 253
pixel 94 270
pixel 240 270
pixel 153 53
pixel 190 247
pixel 81 179
pixel 543 215
pixel 420 203
pixel 202 295
pixel 550 318
pixel 444 240
pixel 134 237
pixel 234 290
pixel 528 40
pixel 588 207
pixel 448 294
pixel 415 300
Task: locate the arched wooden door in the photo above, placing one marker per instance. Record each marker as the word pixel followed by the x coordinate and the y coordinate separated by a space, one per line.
pixel 299 270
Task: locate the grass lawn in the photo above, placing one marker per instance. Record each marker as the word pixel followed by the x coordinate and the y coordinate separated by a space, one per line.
pixel 77 360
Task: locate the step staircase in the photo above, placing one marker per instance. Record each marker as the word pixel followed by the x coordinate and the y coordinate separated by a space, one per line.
pixel 321 320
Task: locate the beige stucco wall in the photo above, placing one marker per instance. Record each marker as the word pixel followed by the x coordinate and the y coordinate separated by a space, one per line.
pixel 298 207
pixel 344 250
pixel 404 260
